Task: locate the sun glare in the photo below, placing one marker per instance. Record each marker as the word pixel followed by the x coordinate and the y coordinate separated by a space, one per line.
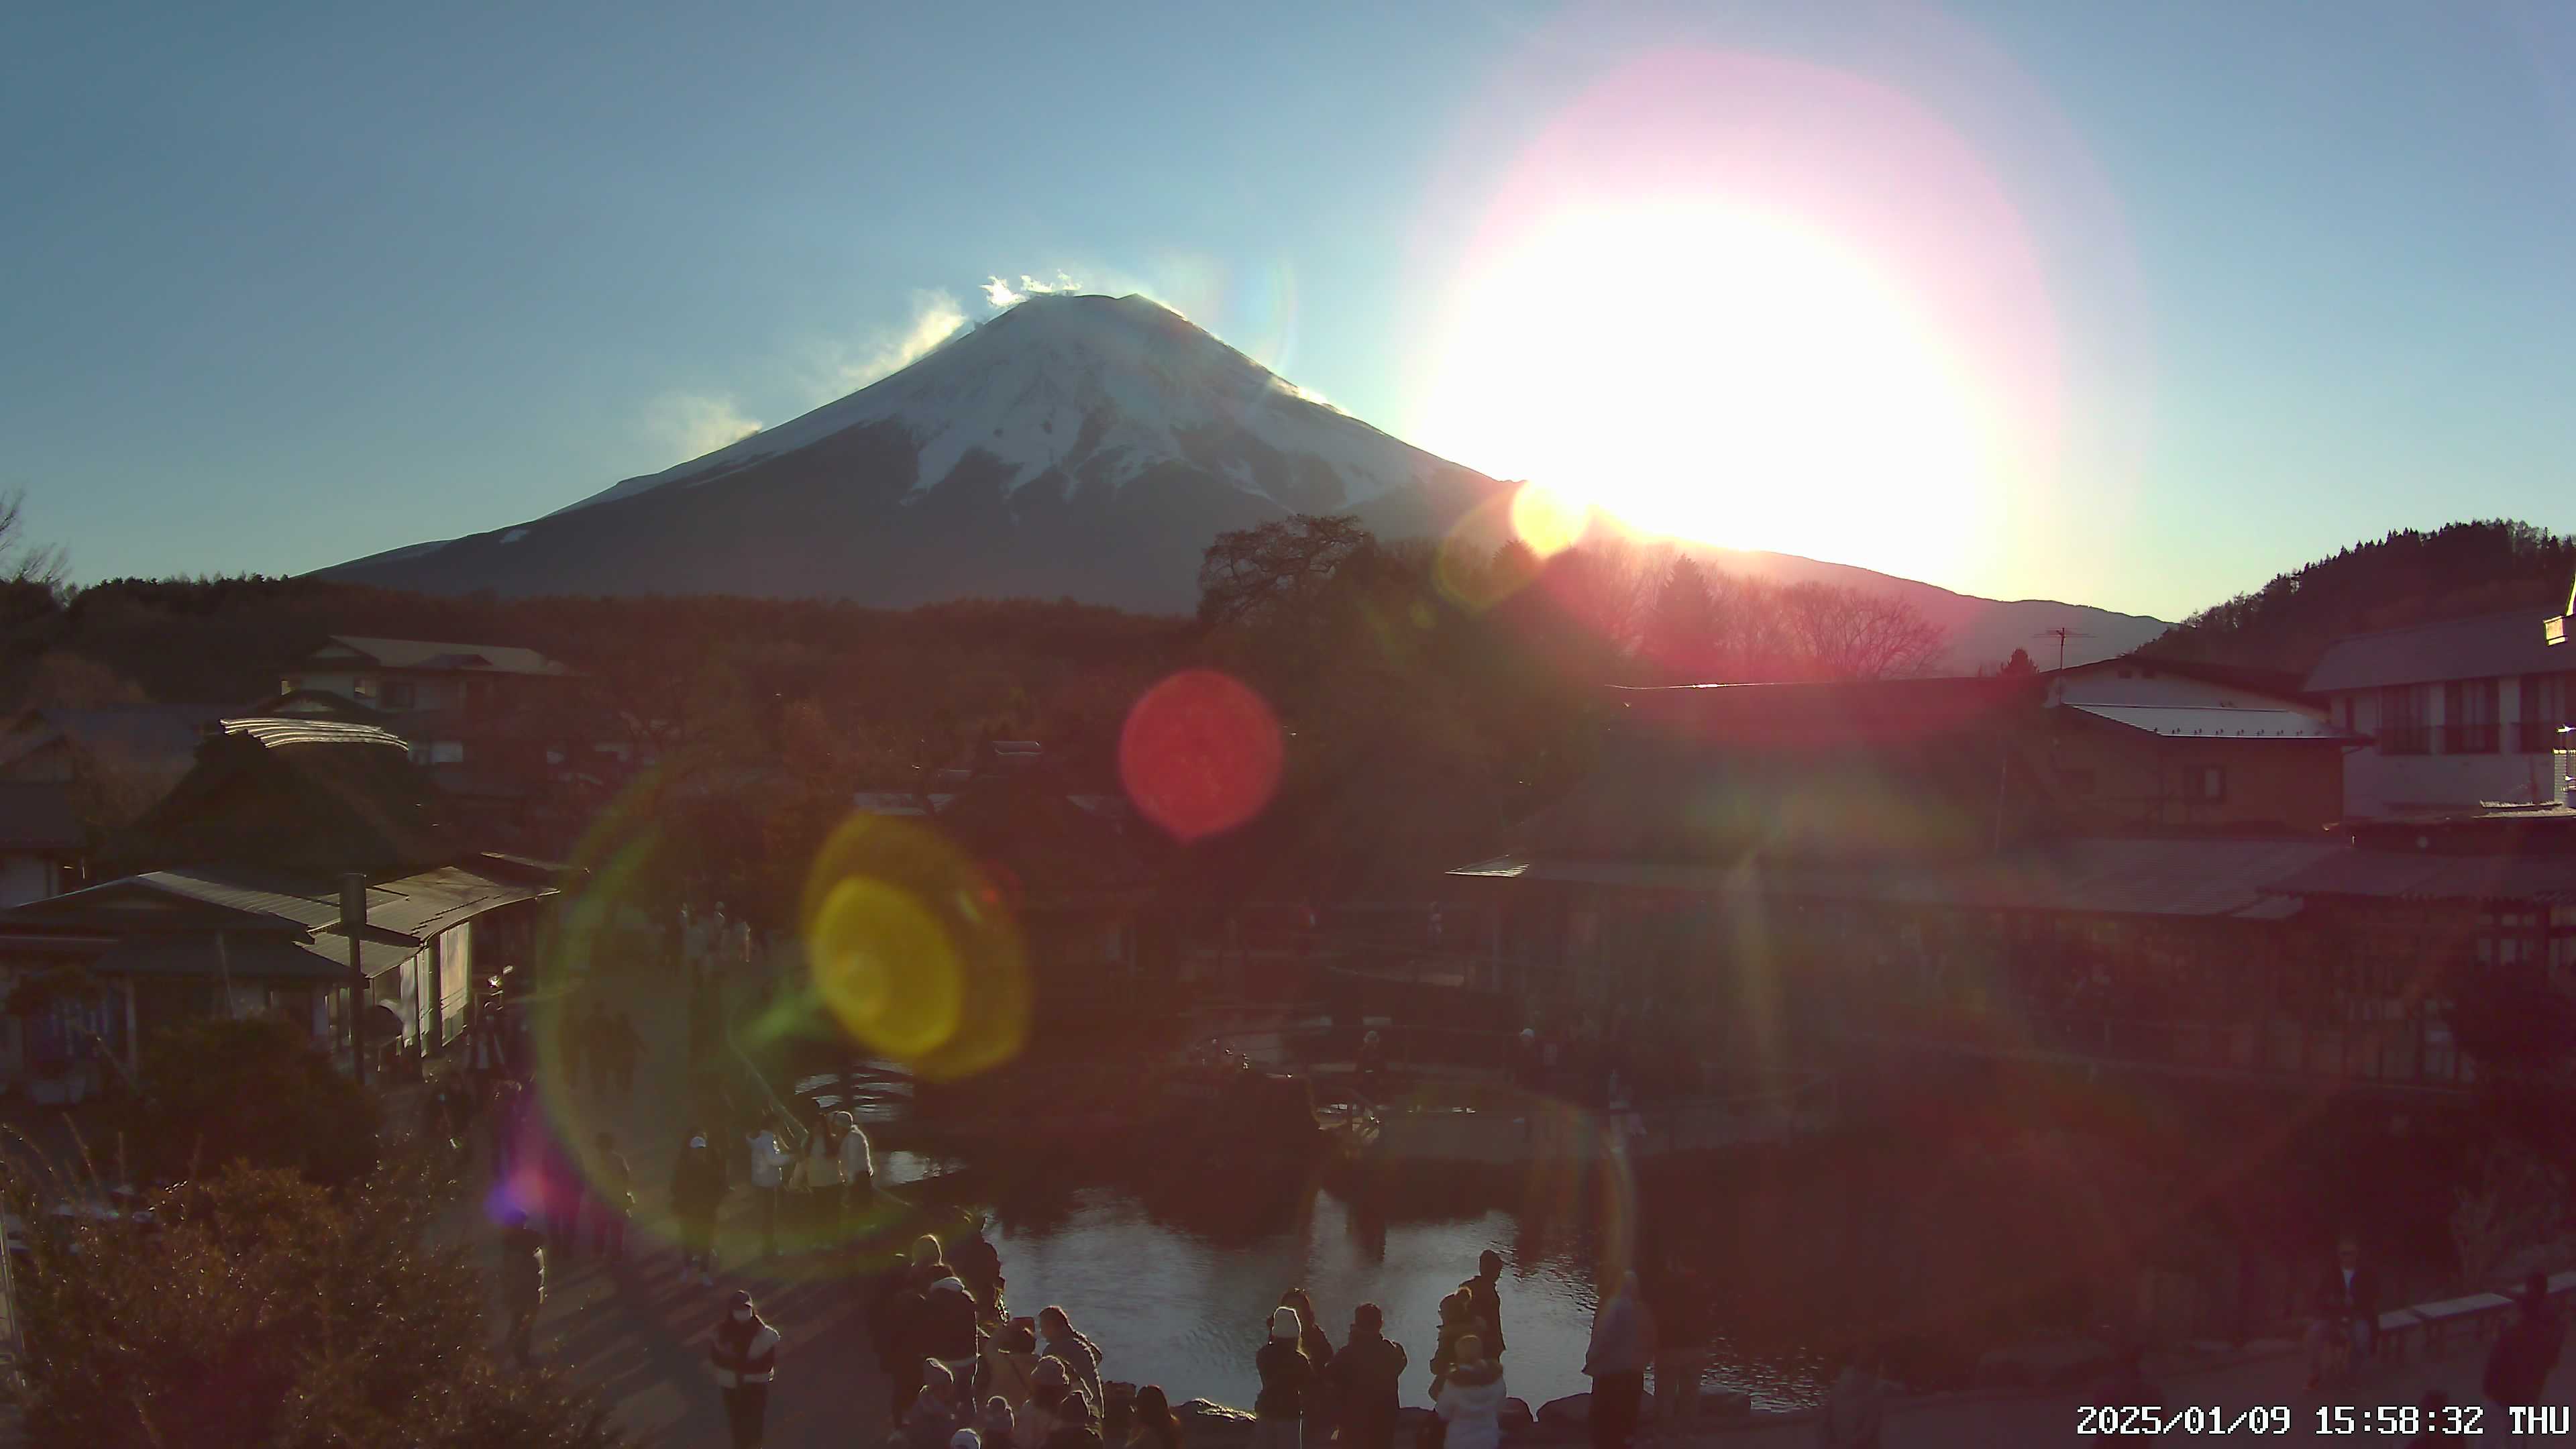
pixel 1716 374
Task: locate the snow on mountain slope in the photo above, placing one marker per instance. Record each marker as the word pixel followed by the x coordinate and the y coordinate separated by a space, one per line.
pixel 1096 389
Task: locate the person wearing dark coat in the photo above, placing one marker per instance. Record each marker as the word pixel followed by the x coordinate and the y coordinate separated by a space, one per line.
pixel 1151 1423
pixel 2347 1311
pixel 2518 1370
pixel 1623 1344
pixel 523 1283
pixel 1367 1377
pixel 1484 1292
pixel 1279 1410
pixel 1321 1413
pixel 946 1329
pixel 697 1189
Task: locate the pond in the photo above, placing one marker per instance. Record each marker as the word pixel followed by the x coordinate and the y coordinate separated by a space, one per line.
pixel 1177 1287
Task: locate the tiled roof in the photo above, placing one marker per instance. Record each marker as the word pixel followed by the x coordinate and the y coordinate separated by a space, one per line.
pixel 2489 647
pixel 425 655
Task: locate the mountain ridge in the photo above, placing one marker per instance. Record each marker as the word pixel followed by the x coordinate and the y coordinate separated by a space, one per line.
pixel 1076 446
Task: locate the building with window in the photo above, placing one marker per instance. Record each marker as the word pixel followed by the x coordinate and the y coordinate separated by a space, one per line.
pixel 2161 745
pixel 232 907
pixel 513 738
pixel 2459 714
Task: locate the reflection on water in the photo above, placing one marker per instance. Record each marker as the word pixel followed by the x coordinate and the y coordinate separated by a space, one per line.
pixel 1177 1287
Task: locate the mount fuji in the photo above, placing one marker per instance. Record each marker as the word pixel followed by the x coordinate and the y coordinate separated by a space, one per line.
pixel 1081 446
pixel 1077 446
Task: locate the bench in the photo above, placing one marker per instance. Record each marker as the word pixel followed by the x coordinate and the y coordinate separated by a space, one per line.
pixel 2475 1314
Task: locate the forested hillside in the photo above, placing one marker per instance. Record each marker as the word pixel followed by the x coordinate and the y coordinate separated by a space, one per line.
pixel 2408 577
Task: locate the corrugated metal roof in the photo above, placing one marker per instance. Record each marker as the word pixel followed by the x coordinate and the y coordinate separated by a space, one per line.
pixel 2489 647
pixel 2402 875
pixel 280 732
pixel 2203 878
pixel 2215 722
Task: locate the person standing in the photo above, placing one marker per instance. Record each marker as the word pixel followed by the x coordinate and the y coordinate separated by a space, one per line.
pixel 1367 1378
pixel 1064 1341
pixel 769 1161
pixel 1279 1410
pixel 614 1201
pixel 858 1174
pixel 744 1351
pixel 1011 1362
pixel 503 1122
pixel 2347 1323
pixel 818 1182
pixel 2517 1375
pixel 977 1261
pixel 1855 1409
pixel 523 1283
pixel 1484 1292
pixel 1470 1409
pixel 697 1189
pixel 952 1336
pixel 1623 1343
pixel 1681 1353
pixel 996 1425
pixel 1321 1413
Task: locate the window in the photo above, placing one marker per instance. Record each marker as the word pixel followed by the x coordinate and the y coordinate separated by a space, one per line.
pixel 2213 782
pixel 2403 709
pixel 2545 700
pixel 400 694
pixel 2469 717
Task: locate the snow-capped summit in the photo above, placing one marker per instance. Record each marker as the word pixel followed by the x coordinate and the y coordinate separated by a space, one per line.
pixel 1073 445
pixel 1095 390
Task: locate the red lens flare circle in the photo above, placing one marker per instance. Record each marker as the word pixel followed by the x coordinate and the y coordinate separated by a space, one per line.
pixel 1200 754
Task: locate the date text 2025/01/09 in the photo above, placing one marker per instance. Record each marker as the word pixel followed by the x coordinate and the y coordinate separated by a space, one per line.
pixel 2333 1420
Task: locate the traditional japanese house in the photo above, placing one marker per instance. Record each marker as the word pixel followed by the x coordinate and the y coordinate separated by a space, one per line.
pixel 231 904
pixel 1765 868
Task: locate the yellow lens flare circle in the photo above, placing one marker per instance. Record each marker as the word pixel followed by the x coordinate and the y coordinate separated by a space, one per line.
pixel 911 949
pixel 886 970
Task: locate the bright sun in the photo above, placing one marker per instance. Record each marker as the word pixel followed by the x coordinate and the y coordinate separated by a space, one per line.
pixel 1720 375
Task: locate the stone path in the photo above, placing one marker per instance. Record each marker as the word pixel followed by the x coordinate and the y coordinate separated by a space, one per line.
pixel 639 1332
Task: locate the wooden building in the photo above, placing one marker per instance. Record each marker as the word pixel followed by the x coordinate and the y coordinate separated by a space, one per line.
pixel 230 904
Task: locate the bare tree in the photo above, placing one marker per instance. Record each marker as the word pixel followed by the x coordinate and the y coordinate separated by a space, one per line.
pixel 1843 633
pixel 22 562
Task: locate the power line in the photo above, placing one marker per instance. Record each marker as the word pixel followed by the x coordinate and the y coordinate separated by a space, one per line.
pixel 2061 634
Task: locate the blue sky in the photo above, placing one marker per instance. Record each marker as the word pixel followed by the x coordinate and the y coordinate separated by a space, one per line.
pixel 288 285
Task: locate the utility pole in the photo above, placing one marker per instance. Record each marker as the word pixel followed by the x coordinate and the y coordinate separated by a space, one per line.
pixel 353 924
pixel 2061 634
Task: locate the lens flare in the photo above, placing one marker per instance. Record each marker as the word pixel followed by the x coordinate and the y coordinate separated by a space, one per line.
pixel 1200 754
pixel 1547 520
pixel 907 949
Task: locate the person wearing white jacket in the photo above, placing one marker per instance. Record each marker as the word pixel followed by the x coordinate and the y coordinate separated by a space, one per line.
pixel 1471 1398
pixel 768 1172
pixel 858 1171
pixel 818 1175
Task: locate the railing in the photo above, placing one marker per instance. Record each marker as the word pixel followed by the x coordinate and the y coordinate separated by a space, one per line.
pixel 2466 739
pixel 2538 737
pixel 2397 1053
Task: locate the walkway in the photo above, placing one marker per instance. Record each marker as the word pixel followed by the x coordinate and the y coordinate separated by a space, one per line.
pixel 639 1333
